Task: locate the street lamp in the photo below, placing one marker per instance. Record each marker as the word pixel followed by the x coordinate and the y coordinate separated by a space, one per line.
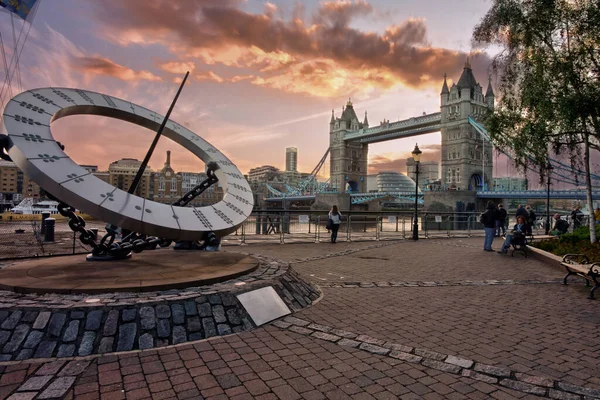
pixel 416 153
pixel 549 169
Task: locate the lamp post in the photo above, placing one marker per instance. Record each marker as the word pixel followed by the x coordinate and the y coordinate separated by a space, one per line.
pixel 416 153
pixel 549 169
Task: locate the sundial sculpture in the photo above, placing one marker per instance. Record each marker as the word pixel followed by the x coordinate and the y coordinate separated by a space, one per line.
pixel 34 150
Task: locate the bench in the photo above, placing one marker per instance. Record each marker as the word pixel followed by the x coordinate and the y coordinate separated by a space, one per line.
pixel 579 264
pixel 522 247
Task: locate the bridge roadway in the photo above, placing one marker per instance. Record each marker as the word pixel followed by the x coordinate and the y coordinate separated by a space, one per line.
pixel 413 126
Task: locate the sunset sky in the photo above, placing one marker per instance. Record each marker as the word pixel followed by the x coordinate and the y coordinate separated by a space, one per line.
pixel 263 75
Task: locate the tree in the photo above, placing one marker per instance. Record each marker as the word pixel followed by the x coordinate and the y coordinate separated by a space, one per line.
pixel 549 81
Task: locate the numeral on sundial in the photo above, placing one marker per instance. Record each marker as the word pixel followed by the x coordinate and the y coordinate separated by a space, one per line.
pixel 63 96
pixel 240 198
pixel 77 180
pixel 109 101
pixel 239 187
pixel 108 195
pixel 85 96
pixel 234 208
pixel 32 138
pixel 202 218
pixel 223 216
pixel 212 150
pixel 48 158
pixel 225 162
pixel 26 120
pixel 233 175
pixel 32 107
pixel 44 99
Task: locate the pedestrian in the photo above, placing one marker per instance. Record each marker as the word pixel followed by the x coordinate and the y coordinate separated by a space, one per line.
pixel 560 226
pixel 501 221
pixel 522 211
pixel 517 236
pixel 488 219
pixel 576 215
pixel 531 217
pixel 336 217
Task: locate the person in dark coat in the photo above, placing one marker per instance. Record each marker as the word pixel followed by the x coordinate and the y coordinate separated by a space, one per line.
pixel 488 219
pixel 517 236
pixel 501 221
pixel 522 212
pixel 560 226
pixel 530 218
pixel 576 217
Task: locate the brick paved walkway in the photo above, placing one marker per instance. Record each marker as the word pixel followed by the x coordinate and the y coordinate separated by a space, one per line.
pixel 491 327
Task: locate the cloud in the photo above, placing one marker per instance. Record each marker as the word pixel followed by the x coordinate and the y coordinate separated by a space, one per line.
pixel 397 161
pixel 277 49
pixel 175 67
pixel 209 76
pixel 104 66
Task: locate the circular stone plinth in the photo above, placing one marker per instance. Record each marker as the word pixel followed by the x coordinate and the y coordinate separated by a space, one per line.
pixel 160 269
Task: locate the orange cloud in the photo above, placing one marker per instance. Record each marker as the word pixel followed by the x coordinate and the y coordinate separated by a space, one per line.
pixel 209 76
pixel 104 66
pixel 175 67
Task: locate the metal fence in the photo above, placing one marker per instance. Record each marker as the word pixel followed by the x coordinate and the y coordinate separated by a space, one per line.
pixel 23 239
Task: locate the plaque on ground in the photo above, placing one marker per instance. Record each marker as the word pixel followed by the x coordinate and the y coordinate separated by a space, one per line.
pixel 263 305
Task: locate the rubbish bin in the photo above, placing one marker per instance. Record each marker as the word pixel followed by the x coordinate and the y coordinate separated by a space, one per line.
pixel 49 229
pixel 45 215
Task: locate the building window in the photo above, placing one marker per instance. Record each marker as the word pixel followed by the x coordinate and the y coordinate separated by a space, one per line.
pixel 174 185
pixel 161 184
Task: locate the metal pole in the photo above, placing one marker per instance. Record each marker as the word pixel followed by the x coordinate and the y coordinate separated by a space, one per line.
pixel 140 172
pixel 416 222
pixel 548 207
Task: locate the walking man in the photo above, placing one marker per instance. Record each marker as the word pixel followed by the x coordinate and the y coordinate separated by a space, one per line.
pixel 488 219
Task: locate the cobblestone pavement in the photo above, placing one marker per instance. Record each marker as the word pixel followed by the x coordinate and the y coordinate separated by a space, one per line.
pixel 436 319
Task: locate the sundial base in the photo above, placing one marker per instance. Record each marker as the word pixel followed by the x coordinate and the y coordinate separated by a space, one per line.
pixel 93 257
pixel 161 269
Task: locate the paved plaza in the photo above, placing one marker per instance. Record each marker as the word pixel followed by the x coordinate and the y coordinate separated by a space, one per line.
pixel 434 319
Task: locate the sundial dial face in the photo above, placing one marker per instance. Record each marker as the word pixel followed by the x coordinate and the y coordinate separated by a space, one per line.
pixel 32 147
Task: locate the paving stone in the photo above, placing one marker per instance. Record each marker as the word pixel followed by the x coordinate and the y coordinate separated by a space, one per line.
pixel 12 321
pixel 578 389
pixel 5 357
pixel 87 344
pixel 66 350
pixel 34 383
pixel 112 323
pixel 344 334
pixel 77 314
pixel 56 323
pixel 45 349
pixel 4 336
pixel 194 324
pixel 190 308
pixel 201 299
pixel 24 354
pixel 349 343
pixel 461 362
pixel 281 324
pixel 214 299
pixel 398 347
pixel 492 370
pixel 442 366
pixel 219 314
pixel 34 338
pixel 148 319
pixel 163 328
pixel 74 368
pixel 58 388
pixel 179 312
pixel 146 341
pixel 228 299
pixel 71 332
pixel 3 315
pixel 18 336
pixel 430 354
pixel 480 377
pixel 401 355
pixel 300 330
pixel 163 311
pixel 30 316
pixel 223 329
pixel 208 326
pixel 42 320
pixel 204 310
pixel 325 336
pixel 195 336
pixel 535 380
pixel 106 345
pixel 129 314
pixel 93 320
pixel 126 336
pixel 318 327
pixel 179 335
pixel 371 348
pixel 523 387
pixel 559 395
pixel 296 321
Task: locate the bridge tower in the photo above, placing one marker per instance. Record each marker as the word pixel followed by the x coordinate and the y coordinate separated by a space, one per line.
pixel 348 159
pixel 462 147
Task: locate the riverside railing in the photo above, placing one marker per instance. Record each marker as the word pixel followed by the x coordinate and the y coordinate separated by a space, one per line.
pixel 23 239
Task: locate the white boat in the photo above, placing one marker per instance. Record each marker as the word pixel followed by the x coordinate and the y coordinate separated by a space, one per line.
pixel 32 206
